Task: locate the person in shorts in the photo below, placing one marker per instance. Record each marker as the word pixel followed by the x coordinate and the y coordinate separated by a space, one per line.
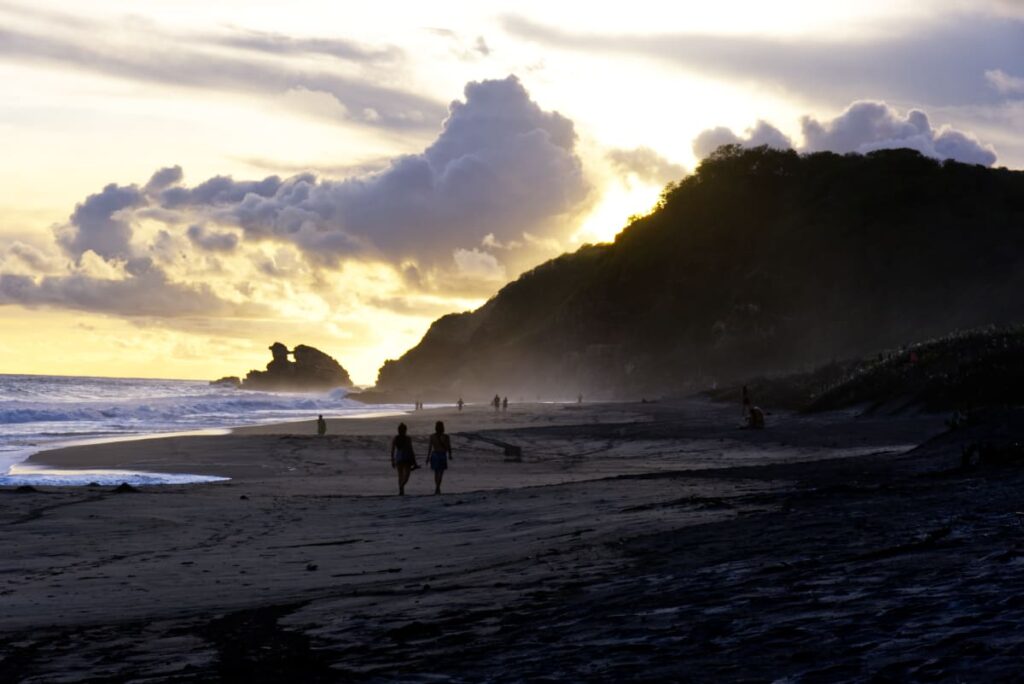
pixel 440 453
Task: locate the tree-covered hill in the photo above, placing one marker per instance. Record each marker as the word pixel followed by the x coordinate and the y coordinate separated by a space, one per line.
pixel 761 261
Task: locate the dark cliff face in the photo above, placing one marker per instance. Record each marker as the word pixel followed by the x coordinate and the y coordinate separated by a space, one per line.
pixel 312 369
pixel 762 261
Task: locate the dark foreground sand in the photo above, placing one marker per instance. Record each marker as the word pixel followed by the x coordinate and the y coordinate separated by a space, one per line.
pixel 633 542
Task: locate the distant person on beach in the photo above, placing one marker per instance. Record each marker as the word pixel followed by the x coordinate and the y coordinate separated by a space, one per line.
pixel 460 403
pixel 321 426
pixel 403 458
pixel 496 403
pixel 440 450
pixel 504 405
pixel 579 399
pixel 756 418
pixel 746 402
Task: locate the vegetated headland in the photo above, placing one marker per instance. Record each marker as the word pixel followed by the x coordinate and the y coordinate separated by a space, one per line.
pixel 761 262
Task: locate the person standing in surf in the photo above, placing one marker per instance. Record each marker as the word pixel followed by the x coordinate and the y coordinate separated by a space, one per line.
pixel 321 426
pixel 403 458
pixel 440 452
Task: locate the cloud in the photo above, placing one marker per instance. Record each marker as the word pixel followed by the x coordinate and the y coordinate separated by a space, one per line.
pixel 281 44
pixel 145 291
pixel 500 166
pixel 867 126
pixel 220 190
pixel 461 47
pixel 646 164
pixel 761 133
pixel 937 62
pixel 163 178
pixel 502 171
pixel 478 264
pixel 200 61
pixel 95 224
pixel 212 241
pixel 33 257
pixel 1004 82
pixel 862 127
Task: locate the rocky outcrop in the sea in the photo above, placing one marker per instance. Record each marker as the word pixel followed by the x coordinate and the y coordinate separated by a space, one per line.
pixel 311 369
pixel 227 381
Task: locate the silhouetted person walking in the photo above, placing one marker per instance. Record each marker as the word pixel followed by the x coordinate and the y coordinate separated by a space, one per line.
pixel 403 458
pixel 746 402
pixel 496 403
pixel 440 452
pixel 460 403
pixel 321 426
pixel 504 405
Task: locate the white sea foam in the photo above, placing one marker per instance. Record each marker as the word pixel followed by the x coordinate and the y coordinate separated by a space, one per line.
pixel 43 412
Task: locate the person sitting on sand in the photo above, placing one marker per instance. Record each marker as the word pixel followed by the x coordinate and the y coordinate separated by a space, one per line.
pixel 440 450
pixel 756 418
pixel 321 426
pixel 403 458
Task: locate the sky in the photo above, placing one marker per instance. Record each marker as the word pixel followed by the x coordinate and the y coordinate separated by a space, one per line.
pixel 183 183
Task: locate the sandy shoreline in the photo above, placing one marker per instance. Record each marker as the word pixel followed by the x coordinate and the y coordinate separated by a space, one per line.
pixel 661 519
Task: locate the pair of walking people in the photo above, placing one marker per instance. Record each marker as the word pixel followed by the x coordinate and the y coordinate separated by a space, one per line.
pixel 403 457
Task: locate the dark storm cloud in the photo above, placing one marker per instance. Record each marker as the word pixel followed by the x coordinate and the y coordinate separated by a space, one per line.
pixel 645 164
pixel 941 62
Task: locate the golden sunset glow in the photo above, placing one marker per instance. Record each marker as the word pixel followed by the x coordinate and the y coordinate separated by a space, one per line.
pixel 360 255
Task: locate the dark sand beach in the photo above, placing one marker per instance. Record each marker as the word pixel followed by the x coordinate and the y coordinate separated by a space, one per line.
pixel 631 542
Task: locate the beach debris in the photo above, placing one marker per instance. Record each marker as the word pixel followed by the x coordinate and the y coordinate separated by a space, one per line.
pixel 124 488
pixel 26 489
pixel 312 567
pixel 513 453
pixel 244 497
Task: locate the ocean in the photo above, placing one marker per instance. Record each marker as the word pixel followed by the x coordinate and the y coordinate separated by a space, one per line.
pixel 39 412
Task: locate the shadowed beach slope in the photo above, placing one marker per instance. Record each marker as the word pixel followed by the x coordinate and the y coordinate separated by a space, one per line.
pixel 631 542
